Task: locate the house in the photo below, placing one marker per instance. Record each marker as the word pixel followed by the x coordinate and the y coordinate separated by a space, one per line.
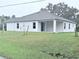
pixel 42 21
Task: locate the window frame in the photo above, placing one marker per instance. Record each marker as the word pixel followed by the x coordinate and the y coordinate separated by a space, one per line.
pixel 64 25
pixel 34 25
pixel 17 25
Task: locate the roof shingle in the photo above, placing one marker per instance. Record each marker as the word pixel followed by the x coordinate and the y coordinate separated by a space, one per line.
pixel 42 15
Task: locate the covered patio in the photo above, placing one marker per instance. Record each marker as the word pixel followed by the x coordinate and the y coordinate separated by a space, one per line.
pixel 51 26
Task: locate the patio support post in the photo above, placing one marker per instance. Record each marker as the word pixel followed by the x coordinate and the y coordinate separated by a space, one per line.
pixel 54 25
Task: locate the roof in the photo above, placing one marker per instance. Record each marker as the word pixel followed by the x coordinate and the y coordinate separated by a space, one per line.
pixel 42 15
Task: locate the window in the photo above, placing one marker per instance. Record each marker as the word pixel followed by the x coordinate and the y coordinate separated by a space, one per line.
pixel 69 26
pixel 34 25
pixel 64 25
pixel 17 25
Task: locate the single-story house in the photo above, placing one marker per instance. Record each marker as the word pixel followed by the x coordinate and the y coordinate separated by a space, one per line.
pixel 42 21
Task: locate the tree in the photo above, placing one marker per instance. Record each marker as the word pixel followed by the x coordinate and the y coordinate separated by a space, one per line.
pixel 63 10
pixel 77 26
pixel 50 7
pixel 13 16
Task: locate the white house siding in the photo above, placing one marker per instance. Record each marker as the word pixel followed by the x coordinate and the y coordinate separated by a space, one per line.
pixel 23 26
pixel 38 26
pixel 11 26
pixel 59 26
pixel 72 27
pixel 49 26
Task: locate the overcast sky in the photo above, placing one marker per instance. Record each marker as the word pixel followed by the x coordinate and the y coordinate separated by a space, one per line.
pixel 21 10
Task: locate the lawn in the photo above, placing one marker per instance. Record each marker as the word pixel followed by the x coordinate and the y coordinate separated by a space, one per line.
pixel 16 45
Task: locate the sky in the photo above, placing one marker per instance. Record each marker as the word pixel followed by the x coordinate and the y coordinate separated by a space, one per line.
pixel 22 10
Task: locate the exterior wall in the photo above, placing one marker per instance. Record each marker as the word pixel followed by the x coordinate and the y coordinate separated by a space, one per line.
pixel 49 26
pixel 72 27
pixel 38 26
pixel 59 27
pixel 23 26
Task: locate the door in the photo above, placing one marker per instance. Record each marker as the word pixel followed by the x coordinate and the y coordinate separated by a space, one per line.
pixel 42 26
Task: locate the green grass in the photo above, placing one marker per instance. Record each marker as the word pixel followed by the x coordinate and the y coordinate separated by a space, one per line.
pixel 15 45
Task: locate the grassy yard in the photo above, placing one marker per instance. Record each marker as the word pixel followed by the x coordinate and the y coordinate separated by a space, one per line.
pixel 15 45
